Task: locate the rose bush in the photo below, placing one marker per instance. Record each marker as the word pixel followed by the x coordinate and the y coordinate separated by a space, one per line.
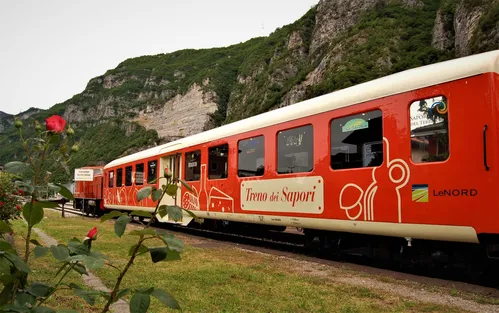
pixel 22 295
pixel 10 198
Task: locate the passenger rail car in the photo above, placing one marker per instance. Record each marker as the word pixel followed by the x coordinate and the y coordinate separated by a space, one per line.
pixel 411 156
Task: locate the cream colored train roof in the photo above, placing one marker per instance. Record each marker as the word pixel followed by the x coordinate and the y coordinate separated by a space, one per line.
pixel 393 84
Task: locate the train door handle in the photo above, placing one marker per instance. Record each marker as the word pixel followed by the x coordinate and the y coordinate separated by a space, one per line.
pixel 485 147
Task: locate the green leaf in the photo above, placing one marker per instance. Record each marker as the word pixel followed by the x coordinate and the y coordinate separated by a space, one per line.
pixel 142 232
pixel 156 194
pixel 87 296
pixel 120 225
pixel 141 213
pixel 5 246
pixel 65 192
pixel 78 248
pixel 40 290
pixel 46 204
pixel 194 216
pixel 18 263
pixel 175 212
pixel 162 211
pixel 171 190
pixel 33 213
pixel 146 291
pixel 173 243
pixel 93 263
pixel 144 193
pixel 142 249
pixel 54 138
pixel 111 215
pixel 24 299
pixel 40 251
pixel 120 294
pixel 185 184
pixel 166 298
pixel 15 167
pixel 80 268
pixel 35 242
pixel 158 254
pixel 60 252
pixel 4 227
pixel 139 303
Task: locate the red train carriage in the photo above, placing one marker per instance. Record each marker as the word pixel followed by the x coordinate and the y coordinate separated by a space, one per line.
pixel 88 189
pixel 411 156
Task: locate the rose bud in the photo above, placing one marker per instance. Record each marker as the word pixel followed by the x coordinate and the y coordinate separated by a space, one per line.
pixel 70 131
pixel 38 126
pixel 167 173
pixel 18 123
pixel 92 235
pixel 55 124
pixel 75 148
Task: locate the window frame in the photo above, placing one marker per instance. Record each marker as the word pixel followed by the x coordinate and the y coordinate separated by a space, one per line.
pixel 121 180
pixel 143 172
pixel 276 138
pixel 330 138
pixel 429 96
pixel 110 180
pixel 149 180
pixel 238 161
pixel 200 162
pixel 208 167
pixel 128 183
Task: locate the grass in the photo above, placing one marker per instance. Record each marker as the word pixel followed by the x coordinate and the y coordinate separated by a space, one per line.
pixel 221 278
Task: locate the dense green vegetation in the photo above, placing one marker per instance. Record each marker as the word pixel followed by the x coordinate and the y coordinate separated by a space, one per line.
pixel 255 76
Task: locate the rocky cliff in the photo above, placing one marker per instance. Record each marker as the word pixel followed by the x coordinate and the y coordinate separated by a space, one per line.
pixel 148 100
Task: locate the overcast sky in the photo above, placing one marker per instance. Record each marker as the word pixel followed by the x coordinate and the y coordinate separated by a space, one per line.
pixel 50 49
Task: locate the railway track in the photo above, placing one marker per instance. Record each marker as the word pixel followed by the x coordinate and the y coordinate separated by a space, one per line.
pixel 291 243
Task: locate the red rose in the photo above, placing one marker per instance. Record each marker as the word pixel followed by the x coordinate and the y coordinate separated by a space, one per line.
pixel 1 203
pixel 92 233
pixel 55 123
pixel 21 192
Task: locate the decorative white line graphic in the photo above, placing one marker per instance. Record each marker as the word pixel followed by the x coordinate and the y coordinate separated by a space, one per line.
pixel 191 201
pixel 365 202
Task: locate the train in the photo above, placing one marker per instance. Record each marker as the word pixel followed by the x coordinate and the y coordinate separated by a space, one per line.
pixel 408 161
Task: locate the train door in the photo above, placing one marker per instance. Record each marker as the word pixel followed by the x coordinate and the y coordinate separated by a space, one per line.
pixel 172 164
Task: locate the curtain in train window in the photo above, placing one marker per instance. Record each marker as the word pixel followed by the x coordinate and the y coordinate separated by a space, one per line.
pixel 218 158
pixel 152 169
pixel 251 157
pixel 119 177
pixel 128 176
pixel 139 174
pixel 192 165
pixel 111 179
pixel 357 140
pixel 295 150
pixel 429 130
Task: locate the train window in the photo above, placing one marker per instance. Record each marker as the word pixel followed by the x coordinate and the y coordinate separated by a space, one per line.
pixel 193 165
pixel 357 140
pixel 128 176
pixel 218 161
pixel 119 177
pixel 152 168
pixel 139 174
pixel 111 179
pixel 429 130
pixel 251 157
pixel 295 150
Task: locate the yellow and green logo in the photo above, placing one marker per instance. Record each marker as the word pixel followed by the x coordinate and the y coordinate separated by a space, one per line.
pixel 354 124
pixel 420 193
